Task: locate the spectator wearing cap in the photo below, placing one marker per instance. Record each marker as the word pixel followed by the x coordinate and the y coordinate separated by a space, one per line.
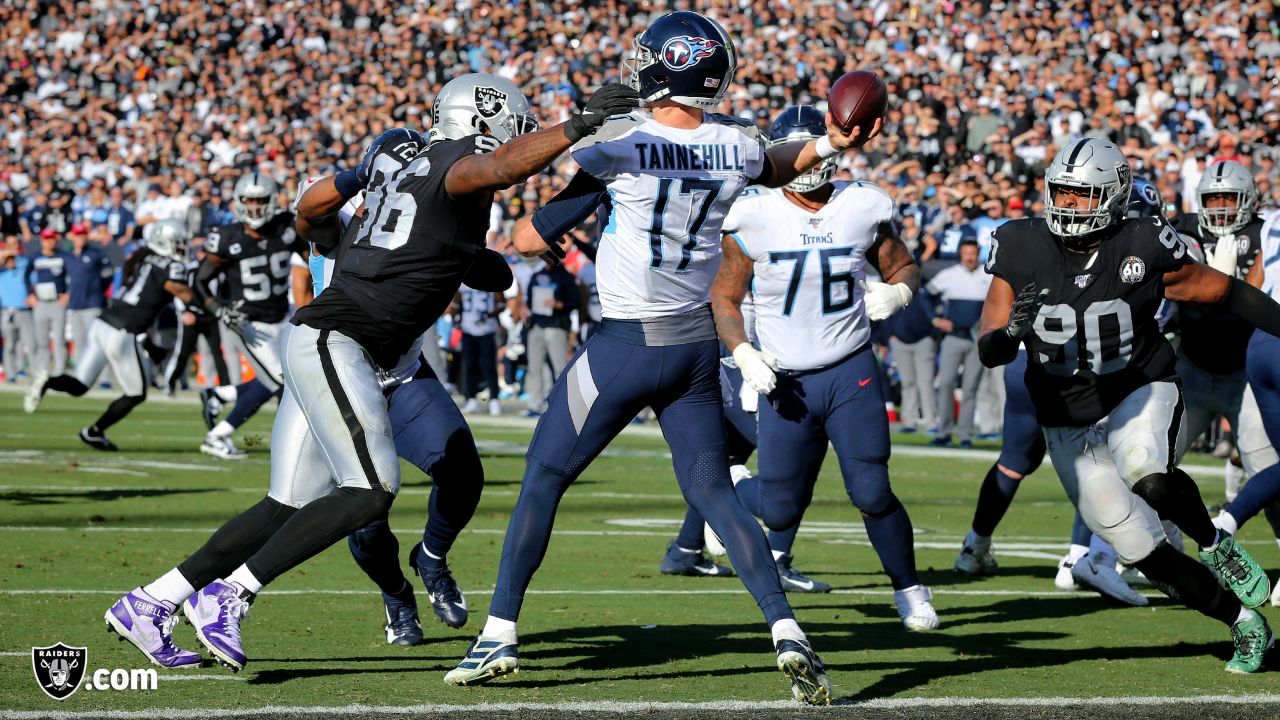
pixel 15 314
pixel 47 277
pixel 89 278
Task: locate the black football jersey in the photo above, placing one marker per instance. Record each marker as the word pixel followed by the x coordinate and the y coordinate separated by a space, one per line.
pixel 408 256
pixel 143 295
pixel 1213 339
pixel 1096 339
pixel 256 270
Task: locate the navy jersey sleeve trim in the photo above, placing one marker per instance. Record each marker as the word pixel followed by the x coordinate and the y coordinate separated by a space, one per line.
pixel 570 206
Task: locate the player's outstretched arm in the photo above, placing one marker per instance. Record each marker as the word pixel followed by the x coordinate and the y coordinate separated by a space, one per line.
pixel 517 159
pixel 179 290
pixel 891 258
pixel 788 161
pixel 1202 284
pixel 544 230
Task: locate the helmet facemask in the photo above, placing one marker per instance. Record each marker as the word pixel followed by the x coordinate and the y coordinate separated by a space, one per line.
pixel 816 177
pixel 1226 220
pixel 1079 221
pixel 254 210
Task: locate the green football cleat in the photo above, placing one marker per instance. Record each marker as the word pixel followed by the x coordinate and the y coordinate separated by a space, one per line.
pixel 1253 639
pixel 1238 570
pixel 486 659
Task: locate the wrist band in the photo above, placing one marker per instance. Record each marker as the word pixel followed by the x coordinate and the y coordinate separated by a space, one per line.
pixel 824 148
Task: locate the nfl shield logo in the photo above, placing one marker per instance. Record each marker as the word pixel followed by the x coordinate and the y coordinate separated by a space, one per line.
pixel 1082 280
pixel 815 222
pixel 59 669
pixel 490 101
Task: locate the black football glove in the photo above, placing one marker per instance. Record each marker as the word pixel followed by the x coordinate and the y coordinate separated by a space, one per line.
pixel 609 100
pixel 1026 306
pixel 232 316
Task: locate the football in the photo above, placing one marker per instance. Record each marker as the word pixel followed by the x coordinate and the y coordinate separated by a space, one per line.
pixel 857 99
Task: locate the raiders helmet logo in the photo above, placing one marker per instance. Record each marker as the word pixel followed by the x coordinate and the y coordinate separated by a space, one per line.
pixel 685 51
pixel 1132 270
pixel 490 101
pixel 59 669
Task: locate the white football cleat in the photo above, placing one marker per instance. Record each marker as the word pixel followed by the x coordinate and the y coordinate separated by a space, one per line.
pixel 32 401
pixel 1063 580
pixel 914 608
pixel 221 447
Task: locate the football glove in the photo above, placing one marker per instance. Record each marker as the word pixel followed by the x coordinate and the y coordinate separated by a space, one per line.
pixel 757 368
pixel 1224 258
pixel 611 99
pixel 232 316
pixel 883 300
pixel 1026 306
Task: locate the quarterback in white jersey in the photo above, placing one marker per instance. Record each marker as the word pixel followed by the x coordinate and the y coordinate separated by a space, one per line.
pixel 667 177
pixel 803 251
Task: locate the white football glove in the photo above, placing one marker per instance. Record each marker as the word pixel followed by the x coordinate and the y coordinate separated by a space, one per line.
pixel 1224 260
pixel 749 397
pixel 757 368
pixel 883 300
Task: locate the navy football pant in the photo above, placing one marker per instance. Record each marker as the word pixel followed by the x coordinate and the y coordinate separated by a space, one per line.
pixel 1263 367
pixel 608 383
pixel 1020 454
pixel 842 404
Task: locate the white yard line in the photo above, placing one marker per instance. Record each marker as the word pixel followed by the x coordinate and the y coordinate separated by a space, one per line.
pixel 613 707
pixel 937 592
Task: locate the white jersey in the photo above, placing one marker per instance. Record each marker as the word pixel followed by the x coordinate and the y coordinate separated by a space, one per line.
pixel 1271 256
pixel 669 190
pixel 808 270
pixel 321 268
pixel 478 308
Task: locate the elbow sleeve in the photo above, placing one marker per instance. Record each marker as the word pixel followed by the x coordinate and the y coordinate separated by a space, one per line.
pixel 1253 306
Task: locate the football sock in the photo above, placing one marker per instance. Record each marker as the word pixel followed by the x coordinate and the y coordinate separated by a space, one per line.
pixel 1075 552
pixel 786 629
pixel 236 541
pixel 1175 497
pixel 997 492
pixel 504 630
pixel 1255 495
pixel 781 541
pixel 1245 614
pixel 223 429
pixel 777 555
pixel 891 535
pixel 458 480
pixel 226 393
pixel 1227 522
pixel 1189 582
pixel 170 587
pixel 244 577
pixel 117 410
pixel 249 397
pixel 377 552
pixel 1080 533
pixel 68 384
pixel 429 563
pixel 528 533
pixel 690 535
pixel 316 526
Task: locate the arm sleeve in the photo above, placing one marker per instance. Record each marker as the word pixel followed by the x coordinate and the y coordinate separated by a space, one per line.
pixel 570 207
pixel 1254 306
pixel 204 274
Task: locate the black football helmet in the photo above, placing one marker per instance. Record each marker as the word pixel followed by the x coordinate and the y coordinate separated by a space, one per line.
pixel 801 123
pixel 685 57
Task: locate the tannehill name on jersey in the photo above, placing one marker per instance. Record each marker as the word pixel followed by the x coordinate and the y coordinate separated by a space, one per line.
pixel 695 156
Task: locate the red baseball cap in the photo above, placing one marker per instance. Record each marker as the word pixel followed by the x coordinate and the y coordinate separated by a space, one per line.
pixel 47 233
pixel 1016 204
pixel 79 229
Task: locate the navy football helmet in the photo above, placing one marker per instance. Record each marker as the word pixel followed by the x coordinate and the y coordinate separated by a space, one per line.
pixel 1144 199
pixel 685 57
pixel 802 123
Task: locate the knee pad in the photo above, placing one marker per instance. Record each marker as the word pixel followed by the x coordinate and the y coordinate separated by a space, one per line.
pixel 366 503
pixel 1154 489
pixel 867 484
pixel 779 516
pixel 134 401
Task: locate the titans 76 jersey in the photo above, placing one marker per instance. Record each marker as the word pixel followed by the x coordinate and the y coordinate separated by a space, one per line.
pixel 1096 339
pixel 668 192
pixel 257 269
pixel 808 268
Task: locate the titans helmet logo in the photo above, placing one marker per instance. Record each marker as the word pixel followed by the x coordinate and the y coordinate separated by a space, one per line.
pixel 685 51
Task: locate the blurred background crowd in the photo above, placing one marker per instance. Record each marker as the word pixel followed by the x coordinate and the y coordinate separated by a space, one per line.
pixel 118 113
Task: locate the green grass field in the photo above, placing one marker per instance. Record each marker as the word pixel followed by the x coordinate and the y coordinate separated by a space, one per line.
pixel 80 528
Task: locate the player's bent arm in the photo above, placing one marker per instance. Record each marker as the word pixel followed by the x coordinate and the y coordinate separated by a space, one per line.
pixel 178 290
pixel 513 162
pixel 788 161
pixel 995 346
pixel 300 283
pixel 535 234
pixel 891 258
pixel 1202 284
pixel 728 291
pixel 316 220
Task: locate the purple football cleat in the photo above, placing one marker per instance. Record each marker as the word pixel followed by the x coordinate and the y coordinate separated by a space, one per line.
pixel 215 612
pixel 148 624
